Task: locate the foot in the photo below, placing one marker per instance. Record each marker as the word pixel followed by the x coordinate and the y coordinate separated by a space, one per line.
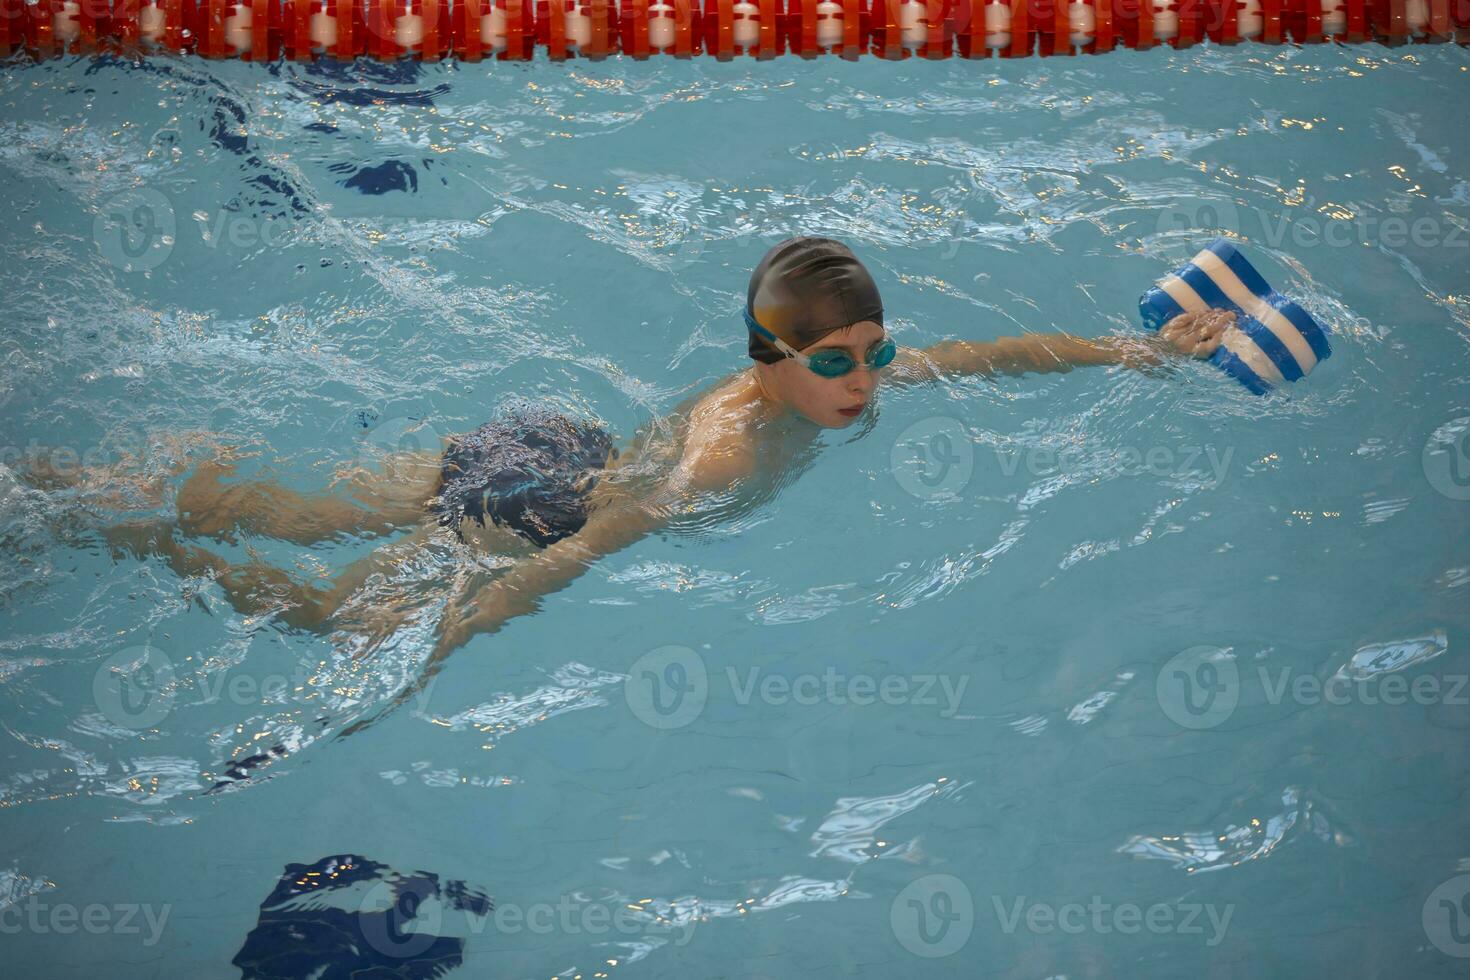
pixel 118 479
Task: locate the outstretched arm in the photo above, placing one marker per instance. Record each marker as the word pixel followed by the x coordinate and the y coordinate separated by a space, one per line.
pixel 609 529
pixel 519 591
pixel 1189 334
pixel 708 464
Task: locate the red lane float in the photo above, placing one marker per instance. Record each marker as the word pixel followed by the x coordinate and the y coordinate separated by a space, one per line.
pixel 513 30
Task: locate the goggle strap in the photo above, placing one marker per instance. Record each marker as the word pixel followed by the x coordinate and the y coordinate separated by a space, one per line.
pixel 779 344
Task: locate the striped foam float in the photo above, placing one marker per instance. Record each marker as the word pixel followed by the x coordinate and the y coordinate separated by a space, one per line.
pixel 1273 341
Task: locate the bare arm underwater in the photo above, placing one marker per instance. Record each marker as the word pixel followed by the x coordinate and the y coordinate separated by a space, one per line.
pixel 617 523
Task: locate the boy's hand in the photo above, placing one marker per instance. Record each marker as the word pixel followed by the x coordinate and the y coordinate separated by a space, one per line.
pixel 1196 334
pixel 374 625
pixel 485 612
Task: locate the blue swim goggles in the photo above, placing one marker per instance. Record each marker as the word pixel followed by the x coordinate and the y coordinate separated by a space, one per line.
pixel 828 362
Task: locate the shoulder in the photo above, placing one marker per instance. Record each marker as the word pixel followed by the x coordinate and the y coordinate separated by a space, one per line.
pixel 719 464
pixel 719 447
pixel 910 365
pixel 715 460
pixel 918 365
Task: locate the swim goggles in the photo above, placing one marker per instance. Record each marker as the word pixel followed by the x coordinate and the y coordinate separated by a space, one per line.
pixel 828 362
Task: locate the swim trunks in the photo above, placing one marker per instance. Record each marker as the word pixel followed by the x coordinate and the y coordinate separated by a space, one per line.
pixel 530 470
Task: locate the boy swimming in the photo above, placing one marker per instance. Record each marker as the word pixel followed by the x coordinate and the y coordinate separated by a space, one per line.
pixel 550 495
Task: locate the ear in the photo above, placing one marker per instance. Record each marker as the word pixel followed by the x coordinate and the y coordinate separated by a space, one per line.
pixel 765 377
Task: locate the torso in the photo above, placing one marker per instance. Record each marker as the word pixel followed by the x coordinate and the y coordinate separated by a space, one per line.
pixel 731 420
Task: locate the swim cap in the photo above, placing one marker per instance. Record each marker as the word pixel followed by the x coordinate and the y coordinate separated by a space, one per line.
pixel 804 289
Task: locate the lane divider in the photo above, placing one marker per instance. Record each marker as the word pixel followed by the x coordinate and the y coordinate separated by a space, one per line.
pixel 515 30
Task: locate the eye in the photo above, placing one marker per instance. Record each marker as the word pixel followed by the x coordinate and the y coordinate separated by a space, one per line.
pixel 832 363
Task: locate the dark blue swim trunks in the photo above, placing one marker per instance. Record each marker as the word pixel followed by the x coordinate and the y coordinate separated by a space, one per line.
pixel 530 470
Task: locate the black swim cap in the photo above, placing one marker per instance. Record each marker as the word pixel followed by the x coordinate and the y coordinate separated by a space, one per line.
pixel 804 289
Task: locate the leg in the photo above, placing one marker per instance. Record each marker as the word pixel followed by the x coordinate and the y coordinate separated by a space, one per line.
pixel 397 488
pixel 126 484
pixel 255 588
pixel 380 504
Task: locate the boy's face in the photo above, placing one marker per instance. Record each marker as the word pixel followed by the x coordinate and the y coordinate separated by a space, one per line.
pixel 820 399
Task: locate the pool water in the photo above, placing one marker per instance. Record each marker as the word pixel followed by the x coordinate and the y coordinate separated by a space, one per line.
pixel 1085 675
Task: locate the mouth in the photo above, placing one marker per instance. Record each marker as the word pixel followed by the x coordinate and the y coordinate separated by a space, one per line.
pixel 852 413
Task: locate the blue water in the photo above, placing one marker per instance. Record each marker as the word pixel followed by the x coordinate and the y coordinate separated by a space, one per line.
pixel 1139 715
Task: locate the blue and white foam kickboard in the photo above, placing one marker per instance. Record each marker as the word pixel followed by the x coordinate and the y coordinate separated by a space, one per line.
pixel 1273 341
